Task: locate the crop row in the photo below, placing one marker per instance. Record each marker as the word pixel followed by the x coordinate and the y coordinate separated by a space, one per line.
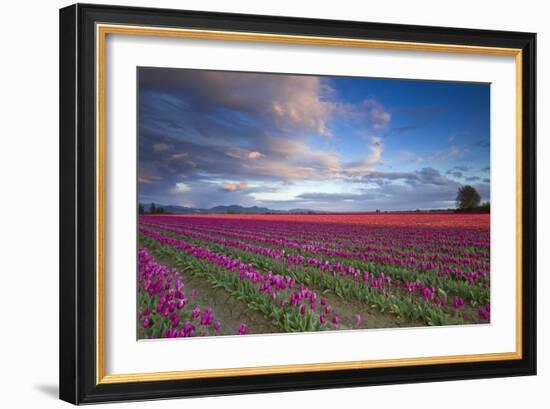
pixel 462 261
pixel 290 306
pixel 345 235
pixel 358 270
pixel 469 268
pixel 411 300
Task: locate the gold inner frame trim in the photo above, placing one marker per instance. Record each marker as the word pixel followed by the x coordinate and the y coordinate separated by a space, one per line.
pixel 101 33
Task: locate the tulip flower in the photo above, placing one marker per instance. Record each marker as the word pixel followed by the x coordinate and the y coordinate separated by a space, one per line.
pixel 485 312
pixel 242 329
pixel 458 302
pixel 175 320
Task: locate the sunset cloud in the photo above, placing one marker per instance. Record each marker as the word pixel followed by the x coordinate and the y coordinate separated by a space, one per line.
pixel 148 179
pixel 231 187
pixel 255 155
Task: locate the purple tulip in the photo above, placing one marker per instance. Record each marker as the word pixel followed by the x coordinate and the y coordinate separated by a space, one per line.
pixel 196 312
pixel 171 333
pixel 335 320
pixel 357 319
pixel 188 328
pixel 175 320
pixel 242 329
pixel 322 319
pixel 458 302
pixel 206 318
pixel 485 312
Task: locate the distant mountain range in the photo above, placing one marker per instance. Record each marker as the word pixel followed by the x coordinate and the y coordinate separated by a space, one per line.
pixel 223 209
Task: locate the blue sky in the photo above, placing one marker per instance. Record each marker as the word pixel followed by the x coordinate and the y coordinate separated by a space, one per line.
pixel 209 138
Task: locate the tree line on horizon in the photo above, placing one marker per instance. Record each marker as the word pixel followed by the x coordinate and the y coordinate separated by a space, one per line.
pixel 467 200
pixel 153 209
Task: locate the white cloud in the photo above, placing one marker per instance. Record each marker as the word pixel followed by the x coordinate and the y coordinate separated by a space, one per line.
pixel 181 187
pixel 177 156
pixel 233 153
pixel 379 118
pixel 408 156
pixel 453 151
pixel 161 147
pixel 376 147
pixel 366 164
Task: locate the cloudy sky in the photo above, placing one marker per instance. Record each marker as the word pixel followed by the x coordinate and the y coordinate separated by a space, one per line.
pixel 209 138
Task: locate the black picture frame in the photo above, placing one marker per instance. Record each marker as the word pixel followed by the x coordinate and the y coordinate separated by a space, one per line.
pixel 78 258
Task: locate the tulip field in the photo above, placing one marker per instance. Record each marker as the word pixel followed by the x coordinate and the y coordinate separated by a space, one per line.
pixel 237 274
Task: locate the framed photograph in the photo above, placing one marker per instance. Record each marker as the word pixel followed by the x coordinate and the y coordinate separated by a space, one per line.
pixel 258 203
